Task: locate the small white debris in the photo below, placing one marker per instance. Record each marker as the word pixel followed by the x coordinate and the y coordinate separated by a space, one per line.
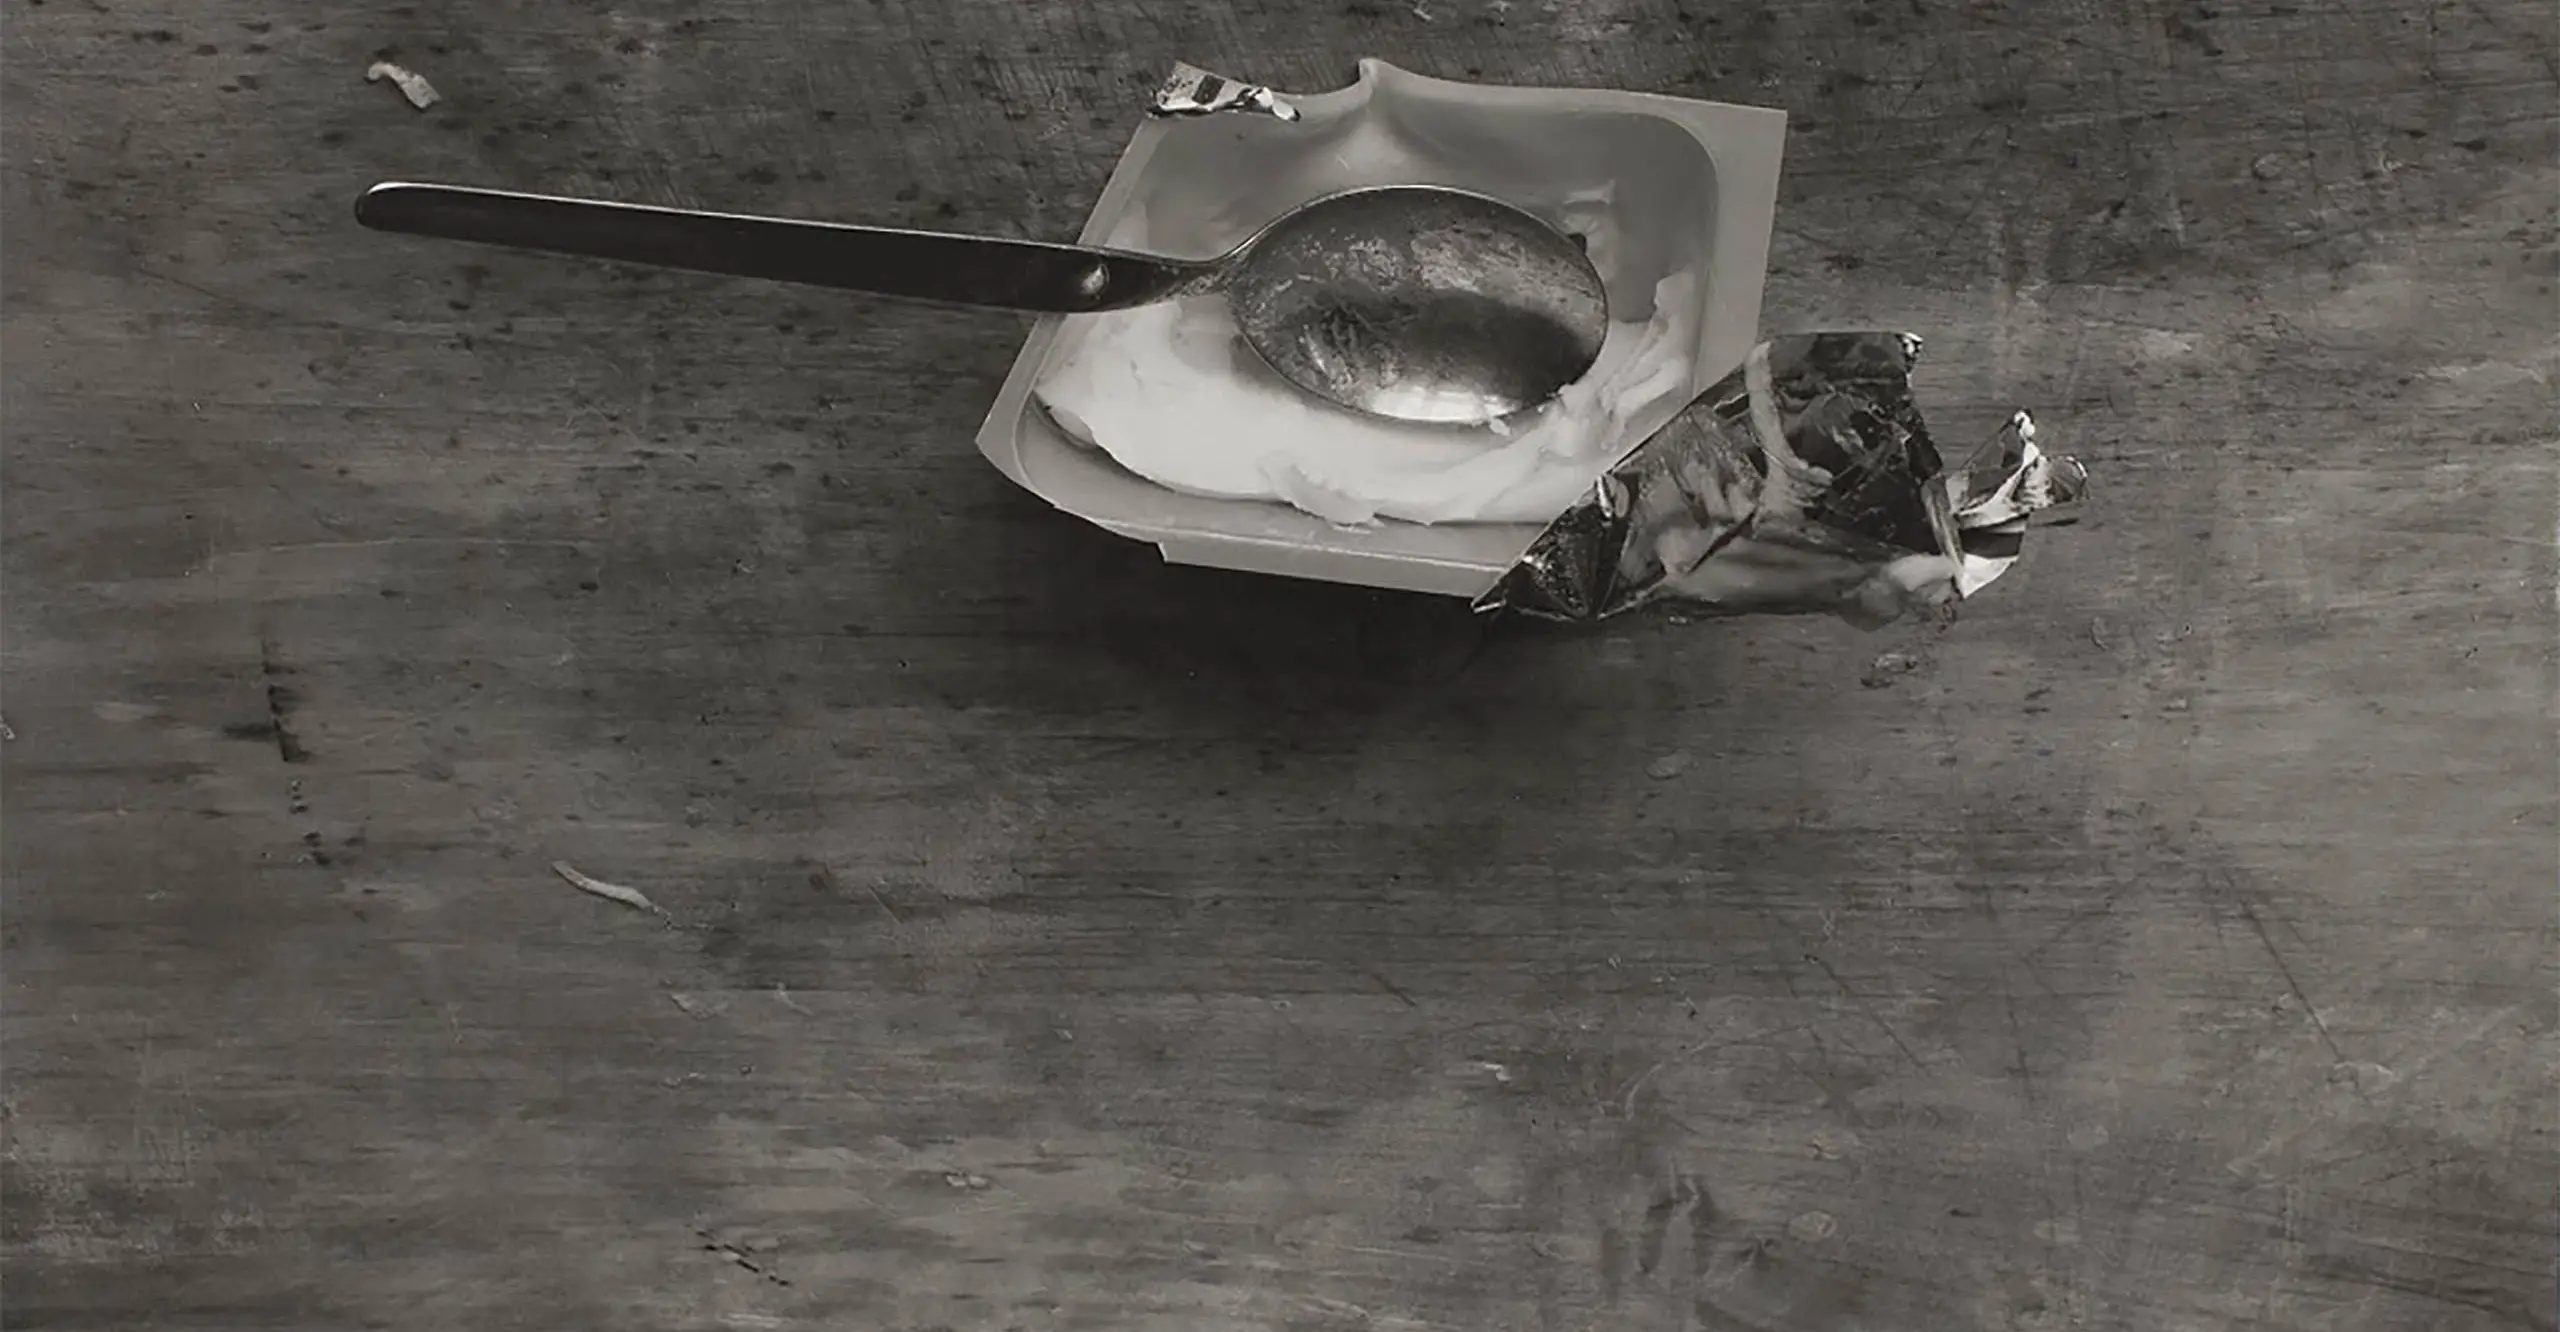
pixel 1887 668
pixel 1667 767
pixel 1832 1144
pixel 611 892
pixel 413 85
pixel 963 1179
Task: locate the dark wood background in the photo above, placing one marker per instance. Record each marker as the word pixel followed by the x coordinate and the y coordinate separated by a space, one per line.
pixel 1067 941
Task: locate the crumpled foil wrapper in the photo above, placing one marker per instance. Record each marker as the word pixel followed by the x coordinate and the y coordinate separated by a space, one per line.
pixel 1802 483
pixel 1193 91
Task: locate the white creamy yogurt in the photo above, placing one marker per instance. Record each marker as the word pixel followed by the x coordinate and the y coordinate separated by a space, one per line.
pixel 1172 392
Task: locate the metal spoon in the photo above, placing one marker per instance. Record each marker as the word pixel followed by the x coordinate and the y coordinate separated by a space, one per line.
pixel 1412 302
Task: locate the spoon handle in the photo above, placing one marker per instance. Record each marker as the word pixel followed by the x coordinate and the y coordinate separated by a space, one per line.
pixel 983 271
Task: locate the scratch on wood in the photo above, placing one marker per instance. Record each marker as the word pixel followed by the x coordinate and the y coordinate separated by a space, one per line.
pixel 824 880
pixel 739 1256
pixel 280 703
pixel 2249 912
pixel 382 543
pixel 1829 1084
pixel 2541 50
pixel 1373 1251
pixel 2018 1038
pixel 1868 1008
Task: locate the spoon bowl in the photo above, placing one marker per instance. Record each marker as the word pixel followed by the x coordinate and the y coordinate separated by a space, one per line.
pixel 1419 303
pixel 1410 302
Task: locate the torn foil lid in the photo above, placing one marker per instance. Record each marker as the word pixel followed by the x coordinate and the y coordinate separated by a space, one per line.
pixel 1803 482
pixel 1193 91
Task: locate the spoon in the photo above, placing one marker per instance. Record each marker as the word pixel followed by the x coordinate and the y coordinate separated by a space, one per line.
pixel 1412 302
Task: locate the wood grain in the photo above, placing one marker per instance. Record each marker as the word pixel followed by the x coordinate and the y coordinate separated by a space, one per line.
pixel 1066 941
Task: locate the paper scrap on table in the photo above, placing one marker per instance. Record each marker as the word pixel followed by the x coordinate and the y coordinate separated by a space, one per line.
pixel 692 1007
pixel 611 892
pixel 412 85
pixel 1802 483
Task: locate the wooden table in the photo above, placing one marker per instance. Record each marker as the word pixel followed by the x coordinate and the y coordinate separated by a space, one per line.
pixel 1061 940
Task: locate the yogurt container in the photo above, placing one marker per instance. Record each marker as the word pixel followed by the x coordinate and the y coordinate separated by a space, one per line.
pixel 1677 197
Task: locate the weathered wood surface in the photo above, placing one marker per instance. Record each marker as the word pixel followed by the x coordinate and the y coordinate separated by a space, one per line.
pixel 1068 941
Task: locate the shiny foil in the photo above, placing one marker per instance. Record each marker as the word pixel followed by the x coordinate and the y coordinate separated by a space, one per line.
pixel 1803 483
pixel 1193 91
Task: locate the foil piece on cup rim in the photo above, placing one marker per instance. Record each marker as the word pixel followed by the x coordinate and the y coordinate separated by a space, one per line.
pixel 1803 483
pixel 1193 91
